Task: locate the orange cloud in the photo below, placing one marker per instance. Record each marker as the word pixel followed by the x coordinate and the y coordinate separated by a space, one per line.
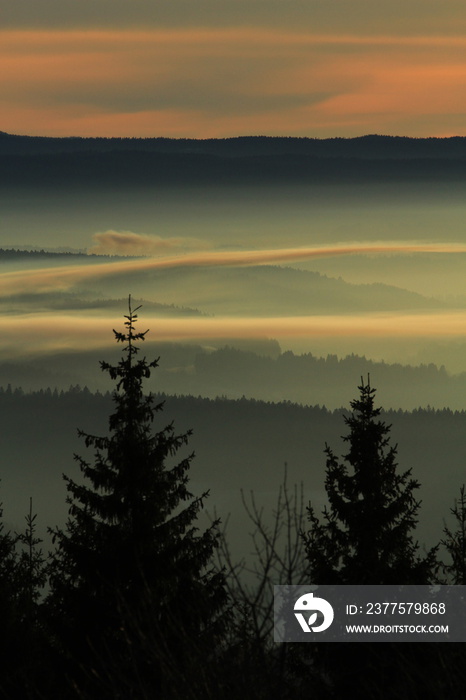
pixel 204 82
pixel 42 333
pixel 65 277
pixel 129 243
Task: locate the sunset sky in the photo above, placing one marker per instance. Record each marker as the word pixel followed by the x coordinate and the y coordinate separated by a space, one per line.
pixel 218 68
pixel 315 268
pixel 223 68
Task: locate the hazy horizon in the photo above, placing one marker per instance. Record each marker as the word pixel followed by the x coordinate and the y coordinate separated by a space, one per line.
pixel 285 254
pixel 277 190
pixel 374 269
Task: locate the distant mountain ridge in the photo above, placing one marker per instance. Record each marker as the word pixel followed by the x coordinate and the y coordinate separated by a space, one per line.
pixel 265 290
pixel 264 374
pixel 256 160
pixel 371 146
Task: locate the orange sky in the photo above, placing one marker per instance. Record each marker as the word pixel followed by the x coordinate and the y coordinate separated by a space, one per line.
pixel 224 81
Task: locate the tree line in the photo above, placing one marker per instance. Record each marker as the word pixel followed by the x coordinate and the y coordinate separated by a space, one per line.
pixel 137 601
pixel 371 146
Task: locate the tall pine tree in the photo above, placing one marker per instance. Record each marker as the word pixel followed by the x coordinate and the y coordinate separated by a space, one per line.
pixel 131 578
pixel 366 535
pixel 366 538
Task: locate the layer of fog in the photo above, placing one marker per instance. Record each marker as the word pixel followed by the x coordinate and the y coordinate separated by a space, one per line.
pixel 247 217
pixel 239 219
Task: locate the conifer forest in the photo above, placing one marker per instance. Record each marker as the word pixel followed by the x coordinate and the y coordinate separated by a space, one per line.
pixel 281 400
pixel 139 598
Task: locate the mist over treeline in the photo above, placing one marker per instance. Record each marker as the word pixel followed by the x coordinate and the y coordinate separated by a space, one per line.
pixel 7 254
pixel 238 444
pixel 254 370
pixel 231 447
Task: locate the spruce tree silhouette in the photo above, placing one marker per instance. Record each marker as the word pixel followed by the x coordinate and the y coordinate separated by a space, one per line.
pixel 133 591
pixel 9 610
pixel 366 538
pixel 454 542
pixel 22 575
pixel 366 535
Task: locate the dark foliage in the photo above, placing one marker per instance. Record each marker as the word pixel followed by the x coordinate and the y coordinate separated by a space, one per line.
pixel 366 536
pixel 454 542
pixel 131 572
pixel 23 643
pixel 136 608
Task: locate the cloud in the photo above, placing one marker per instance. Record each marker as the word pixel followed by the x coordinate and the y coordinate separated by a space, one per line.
pixel 219 81
pixel 361 16
pixel 129 243
pixel 66 277
pixel 44 333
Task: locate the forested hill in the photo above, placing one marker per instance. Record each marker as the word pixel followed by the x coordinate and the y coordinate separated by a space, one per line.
pixel 244 160
pixel 367 147
pixel 266 374
pixel 238 444
pixel 9 254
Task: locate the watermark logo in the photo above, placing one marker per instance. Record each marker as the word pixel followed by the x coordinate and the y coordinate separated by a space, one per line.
pixel 381 613
pixel 307 603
